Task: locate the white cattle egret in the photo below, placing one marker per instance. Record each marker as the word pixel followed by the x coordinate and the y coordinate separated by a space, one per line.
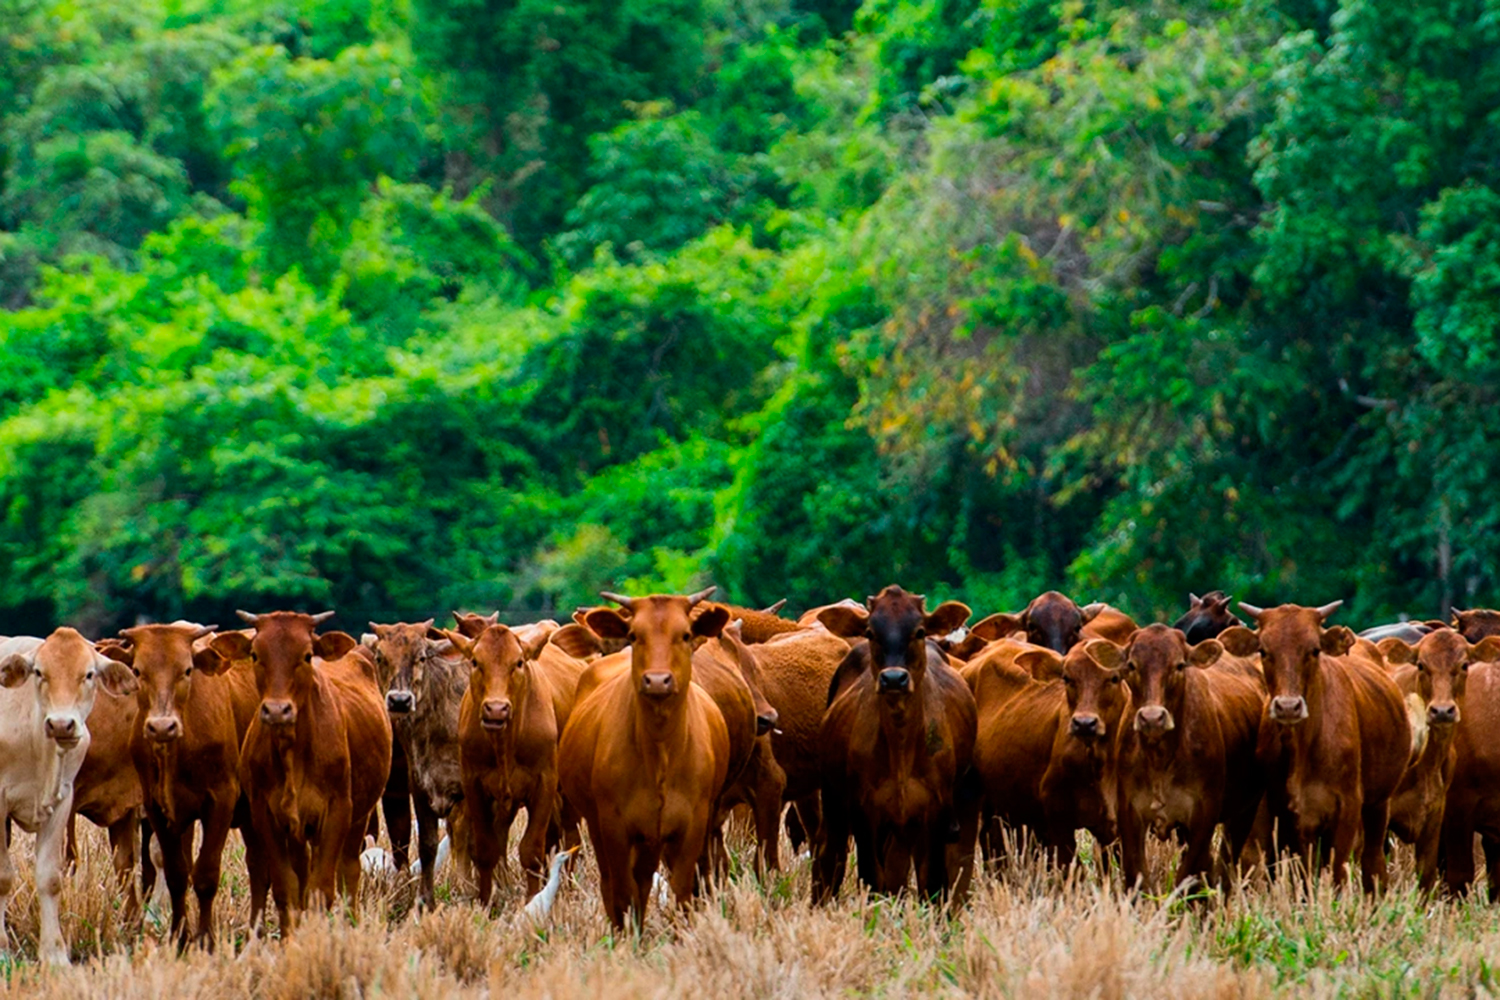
pixel 376 860
pixel 541 903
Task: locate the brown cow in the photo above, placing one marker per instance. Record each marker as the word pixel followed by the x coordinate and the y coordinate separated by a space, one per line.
pixel 315 760
pixel 644 757
pixel 1187 757
pixel 1047 751
pixel 1334 738
pixel 896 742
pixel 424 679
pixel 761 626
pixel 1435 673
pixel 510 719
pixel 107 791
pixel 1206 617
pixel 186 755
pixel 1477 624
pixel 1055 622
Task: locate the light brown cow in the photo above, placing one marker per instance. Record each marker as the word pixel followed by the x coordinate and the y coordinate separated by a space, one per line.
pixel 1334 739
pixel 1435 674
pixel 1187 757
pixel 895 743
pixel 47 690
pixel 645 756
pixel 186 755
pixel 510 720
pixel 316 757
pixel 1047 751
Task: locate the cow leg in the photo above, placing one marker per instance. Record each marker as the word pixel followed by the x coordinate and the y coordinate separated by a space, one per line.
pixel 645 861
pixel 330 848
pixel 51 842
pixel 796 831
pixel 277 859
pixel 532 851
pixel 1132 847
pixel 209 866
pixel 1458 848
pixel 679 855
pixel 1374 817
pixel 831 854
pixel 122 848
pixel 176 846
pixel 1428 839
pixel 484 842
pixel 765 804
pixel 612 852
pixel 396 804
pixel 428 835
pixel 867 855
pixel 1491 848
pixel 932 861
pixel 7 879
pixel 1197 862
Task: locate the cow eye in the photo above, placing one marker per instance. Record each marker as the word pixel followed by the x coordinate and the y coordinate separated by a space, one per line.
pixel 1114 678
pixel 88 675
pixel 687 637
pixel 920 633
pixel 188 672
pixel 306 657
pixel 1464 666
pixel 1182 665
pixel 630 637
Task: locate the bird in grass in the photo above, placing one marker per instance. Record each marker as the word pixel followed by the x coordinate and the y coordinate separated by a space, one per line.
pixel 444 847
pixel 376 860
pixel 541 903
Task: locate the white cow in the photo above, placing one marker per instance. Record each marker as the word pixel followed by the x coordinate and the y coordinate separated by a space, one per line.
pixel 46 694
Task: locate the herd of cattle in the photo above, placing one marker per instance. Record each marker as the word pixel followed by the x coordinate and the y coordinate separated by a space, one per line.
pixel 650 722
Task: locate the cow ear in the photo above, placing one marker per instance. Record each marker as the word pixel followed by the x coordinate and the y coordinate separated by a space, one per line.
pixel 1091 611
pixel 844 621
pixel 1104 653
pixel 334 645
pixel 998 626
pixel 15 668
pixel 711 622
pixel 1206 653
pixel 947 617
pixel 1238 640
pixel 577 641
pixel 115 677
pixel 1043 664
pixel 436 634
pixel 120 654
pixel 232 645
pixel 1486 650
pixel 1337 641
pixel 460 642
pixel 607 623
pixel 210 661
pixel 1396 651
pixel 532 648
pixel 966 649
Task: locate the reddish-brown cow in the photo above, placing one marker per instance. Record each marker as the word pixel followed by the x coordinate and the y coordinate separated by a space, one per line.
pixel 896 742
pixel 1206 617
pixel 315 760
pixel 1056 623
pixel 107 791
pixel 1334 738
pixel 1477 624
pixel 186 755
pixel 1187 757
pixel 644 757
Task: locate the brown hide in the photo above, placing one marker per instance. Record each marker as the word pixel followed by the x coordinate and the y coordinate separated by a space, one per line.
pixel 107 791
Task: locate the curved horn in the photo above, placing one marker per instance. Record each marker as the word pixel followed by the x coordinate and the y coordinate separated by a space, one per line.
pixel 1252 610
pixel 620 599
pixel 1194 600
pixel 321 617
pixel 203 630
pixel 248 617
pixel 702 595
pixel 1326 609
pixel 775 608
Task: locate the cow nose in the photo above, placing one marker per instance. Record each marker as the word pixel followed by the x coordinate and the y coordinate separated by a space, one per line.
pixel 496 713
pixel 1087 726
pixel 163 729
pixel 1153 719
pixel 399 702
pixel 658 685
pixel 895 679
pixel 63 729
pixel 1442 715
pixel 1288 708
pixel 765 723
pixel 278 713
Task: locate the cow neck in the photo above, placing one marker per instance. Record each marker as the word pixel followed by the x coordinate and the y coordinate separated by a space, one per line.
pixel 1306 733
pixel 659 726
pixel 164 757
pixel 904 730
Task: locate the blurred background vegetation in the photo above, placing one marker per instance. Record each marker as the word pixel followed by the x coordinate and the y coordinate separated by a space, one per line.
pixel 394 306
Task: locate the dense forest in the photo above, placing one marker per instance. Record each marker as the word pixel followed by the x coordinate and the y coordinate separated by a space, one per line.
pixel 394 306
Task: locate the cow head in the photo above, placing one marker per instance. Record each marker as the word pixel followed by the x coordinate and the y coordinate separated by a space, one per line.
pixel 282 651
pixel 1442 660
pixel 731 638
pixel 660 630
pixel 164 659
pixel 897 626
pixel 403 652
pixel 1051 620
pixel 1206 616
pixel 1156 661
pixel 63 672
pixel 1477 624
pixel 1292 642
pixel 472 626
pixel 1094 686
pixel 501 678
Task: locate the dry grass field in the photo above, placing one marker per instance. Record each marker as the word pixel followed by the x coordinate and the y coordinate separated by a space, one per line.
pixel 1025 932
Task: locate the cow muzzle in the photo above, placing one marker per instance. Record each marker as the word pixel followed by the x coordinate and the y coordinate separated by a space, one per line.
pixel 1445 714
pixel 400 702
pixel 895 680
pixel 280 712
pixel 495 714
pixel 1289 709
pixel 1086 726
pixel 63 730
pixel 1154 720
pixel 658 684
pixel 163 729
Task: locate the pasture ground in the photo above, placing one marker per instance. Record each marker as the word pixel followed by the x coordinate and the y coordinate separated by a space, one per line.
pixel 1025 932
